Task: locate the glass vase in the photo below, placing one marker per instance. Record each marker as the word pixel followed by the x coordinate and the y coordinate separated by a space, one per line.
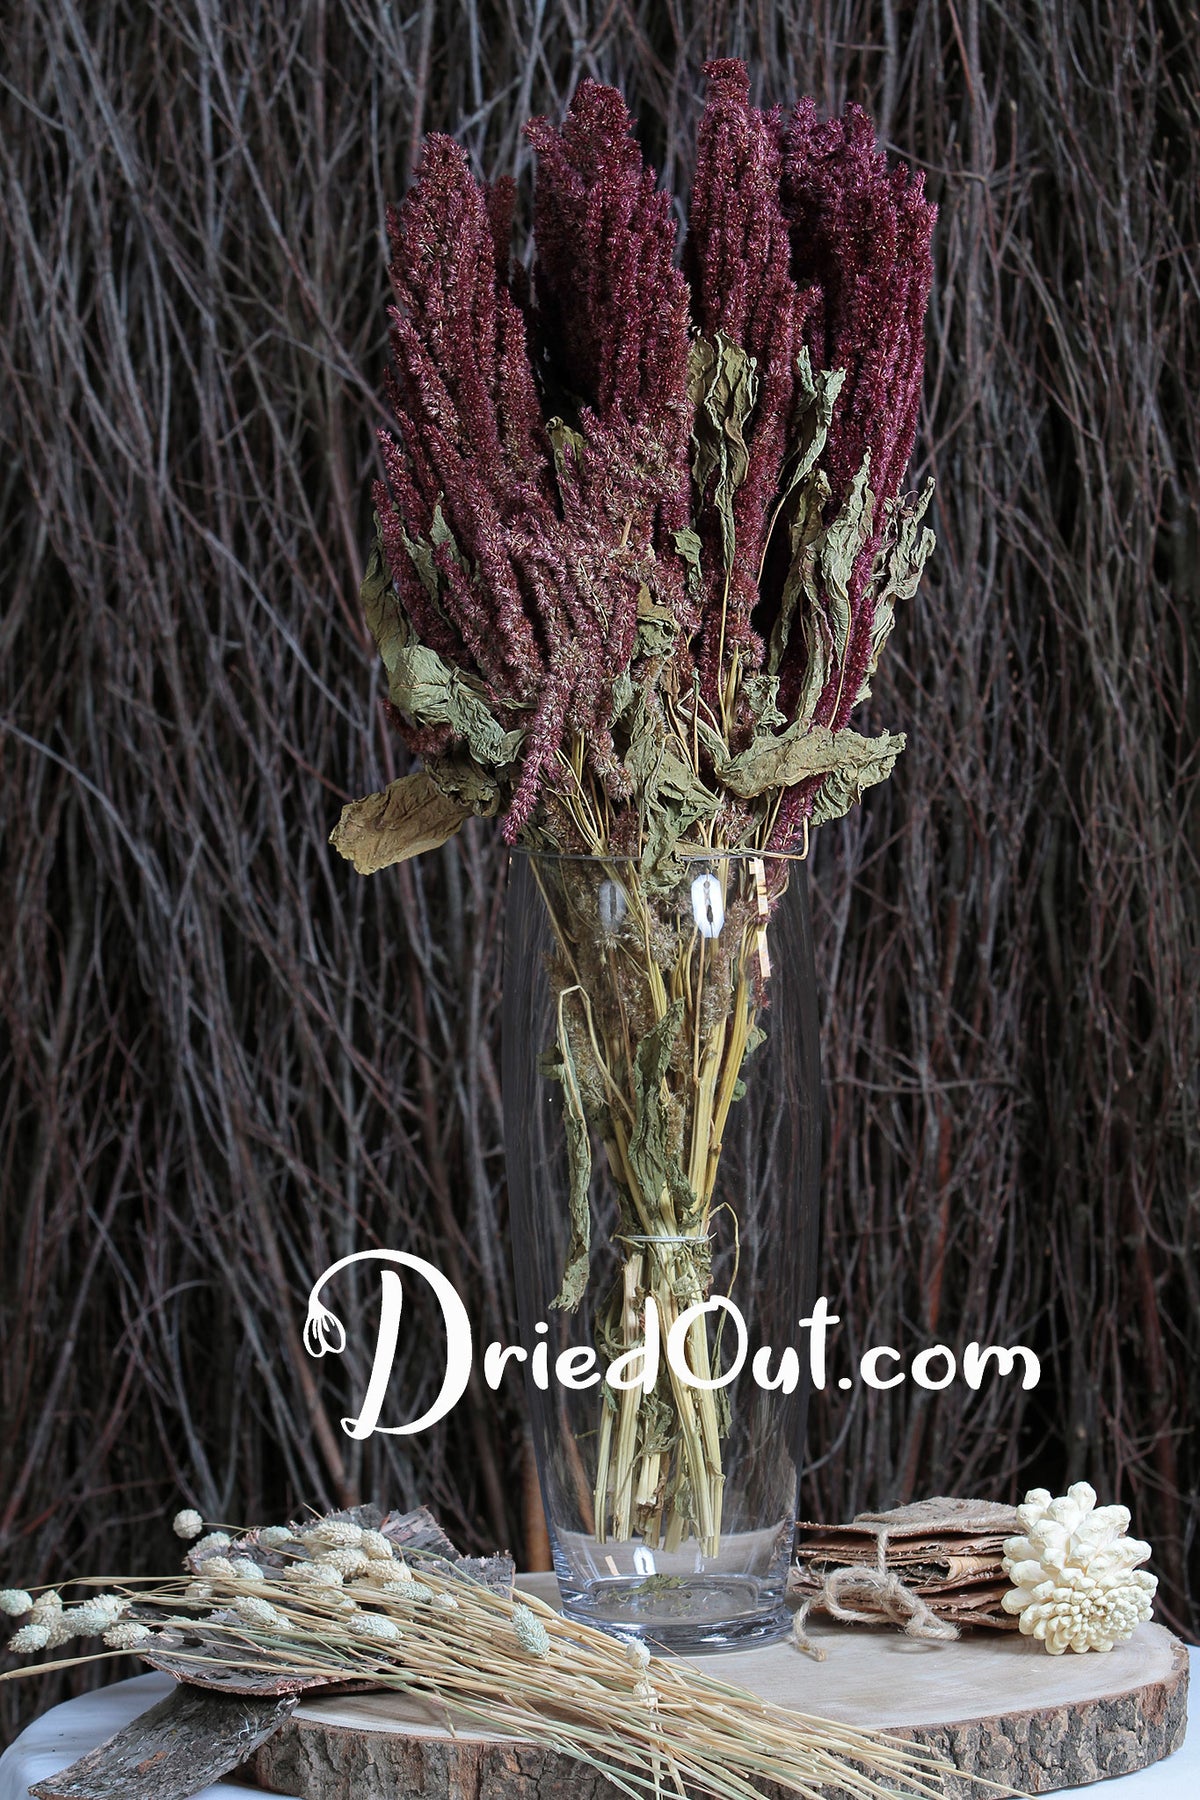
pixel 660 1077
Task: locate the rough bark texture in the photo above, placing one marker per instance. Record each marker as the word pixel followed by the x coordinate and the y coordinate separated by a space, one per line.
pixel 1034 1751
pixel 183 1744
pixel 1064 1746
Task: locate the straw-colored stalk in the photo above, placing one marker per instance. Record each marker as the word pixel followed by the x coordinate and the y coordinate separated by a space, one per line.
pixel 511 1663
pixel 611 986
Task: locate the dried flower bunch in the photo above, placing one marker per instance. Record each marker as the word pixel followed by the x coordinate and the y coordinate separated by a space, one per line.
pixel 334 1601
pixel 640 542
pixel 642 531
pixel 1077 1583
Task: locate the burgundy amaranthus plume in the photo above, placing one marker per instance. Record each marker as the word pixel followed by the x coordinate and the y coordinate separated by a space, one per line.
pixel 591 499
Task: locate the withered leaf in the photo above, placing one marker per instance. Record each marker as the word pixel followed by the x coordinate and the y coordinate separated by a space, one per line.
pixel 868 761
pixel 838 549
pixel 420 683
pixel 657 626
pixel 687 542
pixel 669 793
pixel 780 761
pixel 460 777
pixel 411 815
pixel 559 1065
pixel 813 417
pixel 656 1170
pixel 902 556
pixel 723 387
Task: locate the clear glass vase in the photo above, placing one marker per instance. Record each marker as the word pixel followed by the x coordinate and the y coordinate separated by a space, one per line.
pixel 660 1074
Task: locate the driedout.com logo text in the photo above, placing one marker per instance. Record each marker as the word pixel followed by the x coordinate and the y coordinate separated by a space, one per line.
pixel 578 1366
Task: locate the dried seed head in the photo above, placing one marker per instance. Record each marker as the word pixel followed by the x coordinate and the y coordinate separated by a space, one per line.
pixel 531 1634
pixel 96 1615
pixel 314 1574
pixel 29 1639
pixel 127 1635
pixel 376 1546
pixel 335 1534
pixel 275 1537
pixel 350 1562
pixel 374 1625
pixel 254 1610
pixel 15 1601
pixel 216 1540
pixel 187 1524
pixel 219 1568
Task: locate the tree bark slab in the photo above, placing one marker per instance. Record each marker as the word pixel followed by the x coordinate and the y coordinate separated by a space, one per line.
pixel 183 1744
pixel 991 1705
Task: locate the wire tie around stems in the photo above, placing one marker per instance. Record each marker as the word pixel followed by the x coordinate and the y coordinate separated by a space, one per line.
pixel 663 1237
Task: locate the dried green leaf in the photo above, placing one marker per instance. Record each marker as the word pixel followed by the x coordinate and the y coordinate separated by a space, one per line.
pixel 870 760
pixel 433 693
pixel 669 794
pixel 564 442
pixel 723 387
pixel 410 816
pixel 780 761
pixel 420 683
pixel 460 777
pixel 902 557
pixel 805 489
pixel 559 1064
pixel 813 417
pixel 762 692
pixel 657 1172
pixel 657 626
pixel 381 608
pixel 838 549
pixel 687 542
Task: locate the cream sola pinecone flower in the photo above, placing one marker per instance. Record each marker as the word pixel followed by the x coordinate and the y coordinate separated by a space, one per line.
pixel 1077 1584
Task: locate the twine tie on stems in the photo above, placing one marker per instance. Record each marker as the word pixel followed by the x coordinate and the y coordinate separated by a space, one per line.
pixel 861 1595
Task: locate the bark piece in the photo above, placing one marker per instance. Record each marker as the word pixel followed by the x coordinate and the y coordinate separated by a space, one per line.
pixel 171 1752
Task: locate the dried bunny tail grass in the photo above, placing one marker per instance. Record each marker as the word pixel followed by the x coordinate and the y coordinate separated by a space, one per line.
pixel 515 1665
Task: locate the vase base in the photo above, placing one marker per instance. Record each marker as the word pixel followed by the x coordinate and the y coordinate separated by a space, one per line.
pixel 682 1616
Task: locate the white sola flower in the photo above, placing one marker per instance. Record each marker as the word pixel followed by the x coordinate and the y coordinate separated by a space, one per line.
pixel 1076 1581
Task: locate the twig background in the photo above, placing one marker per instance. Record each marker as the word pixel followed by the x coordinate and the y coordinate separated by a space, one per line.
pixel 226 1060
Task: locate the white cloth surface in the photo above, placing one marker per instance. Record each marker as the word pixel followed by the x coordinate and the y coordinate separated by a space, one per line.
pixel 67 1731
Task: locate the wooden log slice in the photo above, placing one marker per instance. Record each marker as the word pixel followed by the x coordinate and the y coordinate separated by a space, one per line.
pixel 991 1705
